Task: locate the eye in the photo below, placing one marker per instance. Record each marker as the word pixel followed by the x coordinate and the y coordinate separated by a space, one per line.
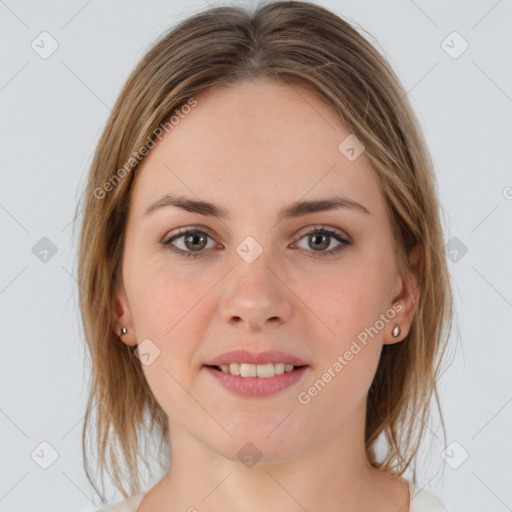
pixel 193 243
pixel 193 240
pixel 320 238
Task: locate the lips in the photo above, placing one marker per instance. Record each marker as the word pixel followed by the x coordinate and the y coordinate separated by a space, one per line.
pixel 245 356
pixel 257 387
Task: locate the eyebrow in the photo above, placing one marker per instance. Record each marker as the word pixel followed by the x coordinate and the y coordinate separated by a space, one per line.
pixel 295 209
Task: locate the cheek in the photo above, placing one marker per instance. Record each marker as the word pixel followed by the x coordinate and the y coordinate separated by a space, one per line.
pixel 173 309
pixel 348 352
pixel 350 303
pixel 165 295
pixel 347 301
pixel 169 312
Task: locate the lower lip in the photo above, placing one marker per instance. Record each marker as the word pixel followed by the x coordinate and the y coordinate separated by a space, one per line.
pixel 257 386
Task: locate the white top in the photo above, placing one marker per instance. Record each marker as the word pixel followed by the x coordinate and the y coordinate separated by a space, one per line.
pixel 421 501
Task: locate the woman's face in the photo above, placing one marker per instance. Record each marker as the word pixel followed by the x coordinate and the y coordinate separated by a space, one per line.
pixel 260 280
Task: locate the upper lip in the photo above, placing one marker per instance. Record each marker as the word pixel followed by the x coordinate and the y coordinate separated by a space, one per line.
pixel 245 356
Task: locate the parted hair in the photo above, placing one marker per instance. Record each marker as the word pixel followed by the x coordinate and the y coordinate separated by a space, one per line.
pixel 305 46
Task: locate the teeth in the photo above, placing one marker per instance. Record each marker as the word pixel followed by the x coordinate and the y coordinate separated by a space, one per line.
pixel 256 370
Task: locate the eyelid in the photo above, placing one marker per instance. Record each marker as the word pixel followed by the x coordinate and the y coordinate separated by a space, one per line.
pixel 331 230
pixel 187 229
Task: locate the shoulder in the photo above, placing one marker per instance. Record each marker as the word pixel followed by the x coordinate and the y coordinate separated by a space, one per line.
pixel 129 505
pixel 424 501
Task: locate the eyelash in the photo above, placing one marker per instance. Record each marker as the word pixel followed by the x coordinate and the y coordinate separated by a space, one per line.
pixel 336 234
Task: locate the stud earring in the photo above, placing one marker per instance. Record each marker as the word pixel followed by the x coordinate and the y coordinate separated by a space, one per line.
pixel 124 330
pixel 396 331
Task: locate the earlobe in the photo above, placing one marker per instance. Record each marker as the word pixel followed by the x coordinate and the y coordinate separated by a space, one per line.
pixel 123 320
pixel 407 297
pixel 396 333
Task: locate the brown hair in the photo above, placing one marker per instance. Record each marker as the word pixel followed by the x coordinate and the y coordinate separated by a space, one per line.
pixel 303 45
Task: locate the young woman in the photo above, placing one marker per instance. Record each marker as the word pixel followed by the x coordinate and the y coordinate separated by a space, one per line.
pixel 264 289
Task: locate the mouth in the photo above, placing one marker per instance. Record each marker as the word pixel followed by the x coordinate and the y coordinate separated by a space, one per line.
pixel 256 374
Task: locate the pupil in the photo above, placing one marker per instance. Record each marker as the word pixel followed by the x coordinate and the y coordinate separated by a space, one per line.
pixel 194 238
pixel 323 238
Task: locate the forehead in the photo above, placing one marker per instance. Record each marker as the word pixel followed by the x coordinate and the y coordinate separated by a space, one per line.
pixel 252 144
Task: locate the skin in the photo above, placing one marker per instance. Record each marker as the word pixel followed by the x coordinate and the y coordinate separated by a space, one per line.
pixel 253 148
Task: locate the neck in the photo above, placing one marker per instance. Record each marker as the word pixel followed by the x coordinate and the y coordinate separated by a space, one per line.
pixel 331 474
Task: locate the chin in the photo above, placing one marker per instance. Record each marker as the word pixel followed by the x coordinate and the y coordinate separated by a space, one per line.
pixel 261 442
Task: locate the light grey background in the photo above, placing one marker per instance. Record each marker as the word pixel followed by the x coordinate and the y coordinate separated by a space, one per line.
pixel 52 113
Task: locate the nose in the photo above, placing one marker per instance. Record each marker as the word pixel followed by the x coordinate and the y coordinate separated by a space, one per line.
pixel 255 296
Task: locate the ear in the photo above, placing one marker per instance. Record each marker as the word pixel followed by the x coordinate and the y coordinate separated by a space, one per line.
pixel 123 317
pixel 406 295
